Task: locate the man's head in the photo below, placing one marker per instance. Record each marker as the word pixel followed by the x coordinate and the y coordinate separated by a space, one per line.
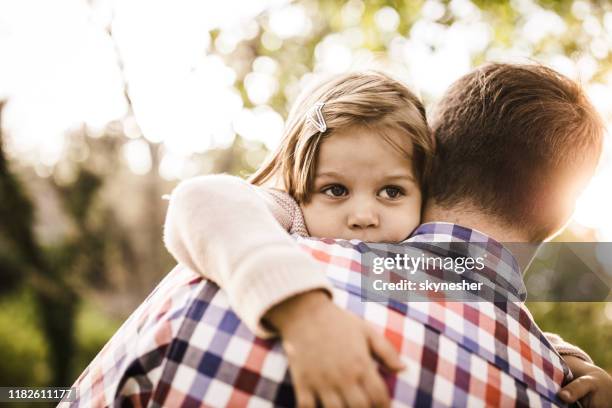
pixel 517 143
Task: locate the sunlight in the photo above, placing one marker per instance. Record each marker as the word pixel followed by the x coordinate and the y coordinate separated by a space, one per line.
pixel 593 206
pixel 333 55
pixel 66 80
pixel 137 155
pixel 387 19
pixel 289 21
pixel 261 124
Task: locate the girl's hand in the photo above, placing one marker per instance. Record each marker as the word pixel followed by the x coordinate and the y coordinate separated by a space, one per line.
pixel 332 352
pixel 592 385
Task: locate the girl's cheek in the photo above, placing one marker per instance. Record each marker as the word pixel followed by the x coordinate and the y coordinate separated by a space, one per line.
pixel 406 220
pixel 319 219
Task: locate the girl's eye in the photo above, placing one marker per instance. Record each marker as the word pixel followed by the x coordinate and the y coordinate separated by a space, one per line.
pixel 391 192
pixel 336 190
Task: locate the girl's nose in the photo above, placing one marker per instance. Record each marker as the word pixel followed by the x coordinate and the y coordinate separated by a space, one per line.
pixel 361 218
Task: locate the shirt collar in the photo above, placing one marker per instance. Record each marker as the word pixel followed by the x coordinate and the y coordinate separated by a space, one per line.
pixel 499 258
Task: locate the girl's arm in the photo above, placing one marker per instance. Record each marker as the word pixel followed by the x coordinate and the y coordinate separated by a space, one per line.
pixel 566 349
pixel 590 384
pixel 227 230
pixel 235 235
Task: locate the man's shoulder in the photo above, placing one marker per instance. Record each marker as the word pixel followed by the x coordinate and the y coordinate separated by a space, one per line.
pixel 143 341
pixel 185 340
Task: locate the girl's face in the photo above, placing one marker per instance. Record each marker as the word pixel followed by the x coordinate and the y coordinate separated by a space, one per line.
pixel 364 188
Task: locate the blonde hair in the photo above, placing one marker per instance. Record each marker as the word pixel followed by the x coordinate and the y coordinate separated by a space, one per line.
pixel 371 99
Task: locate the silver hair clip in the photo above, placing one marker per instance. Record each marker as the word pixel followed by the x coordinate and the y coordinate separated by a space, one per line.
pixel 319 121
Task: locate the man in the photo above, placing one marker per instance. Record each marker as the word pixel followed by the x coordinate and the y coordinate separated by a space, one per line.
pixel 505 134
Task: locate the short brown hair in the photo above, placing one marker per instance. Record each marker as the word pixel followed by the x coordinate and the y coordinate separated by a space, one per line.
pixel 372 99
pixel 504 134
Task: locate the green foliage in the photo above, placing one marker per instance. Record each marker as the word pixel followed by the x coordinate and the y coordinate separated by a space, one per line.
pixel 25 261
pixel 23 346
pixel 583 324
pixel 24 349
pixel 93 329
pixel 79 196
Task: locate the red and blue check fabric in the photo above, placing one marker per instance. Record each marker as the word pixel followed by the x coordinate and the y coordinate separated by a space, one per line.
pixel 185 347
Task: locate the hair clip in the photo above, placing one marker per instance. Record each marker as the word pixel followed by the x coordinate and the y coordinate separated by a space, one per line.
pixel 319 122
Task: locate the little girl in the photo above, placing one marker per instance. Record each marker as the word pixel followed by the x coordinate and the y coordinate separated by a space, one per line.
pixel 354 162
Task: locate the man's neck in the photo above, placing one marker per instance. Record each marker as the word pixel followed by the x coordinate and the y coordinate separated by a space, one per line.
pixel 474 219
pixel 488 225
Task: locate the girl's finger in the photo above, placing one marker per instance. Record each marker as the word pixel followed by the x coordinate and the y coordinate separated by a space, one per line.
pixel 376 389
pixel 577 389
pixel 354 396
pixel 331 399
pixel 384 351
pixel 305 397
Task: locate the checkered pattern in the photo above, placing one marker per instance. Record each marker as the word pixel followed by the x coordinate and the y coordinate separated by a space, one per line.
pixel 185 347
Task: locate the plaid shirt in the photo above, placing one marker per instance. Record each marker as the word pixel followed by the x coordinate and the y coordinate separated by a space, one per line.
pixel 185 347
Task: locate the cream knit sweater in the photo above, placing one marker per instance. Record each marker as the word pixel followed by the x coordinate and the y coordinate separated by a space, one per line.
pixel 235 234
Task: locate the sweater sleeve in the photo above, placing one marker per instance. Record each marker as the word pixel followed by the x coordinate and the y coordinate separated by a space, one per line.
pixel 566 349
pixel 234 234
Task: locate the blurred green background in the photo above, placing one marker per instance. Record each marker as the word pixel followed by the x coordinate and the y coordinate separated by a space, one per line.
pixel 105 106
